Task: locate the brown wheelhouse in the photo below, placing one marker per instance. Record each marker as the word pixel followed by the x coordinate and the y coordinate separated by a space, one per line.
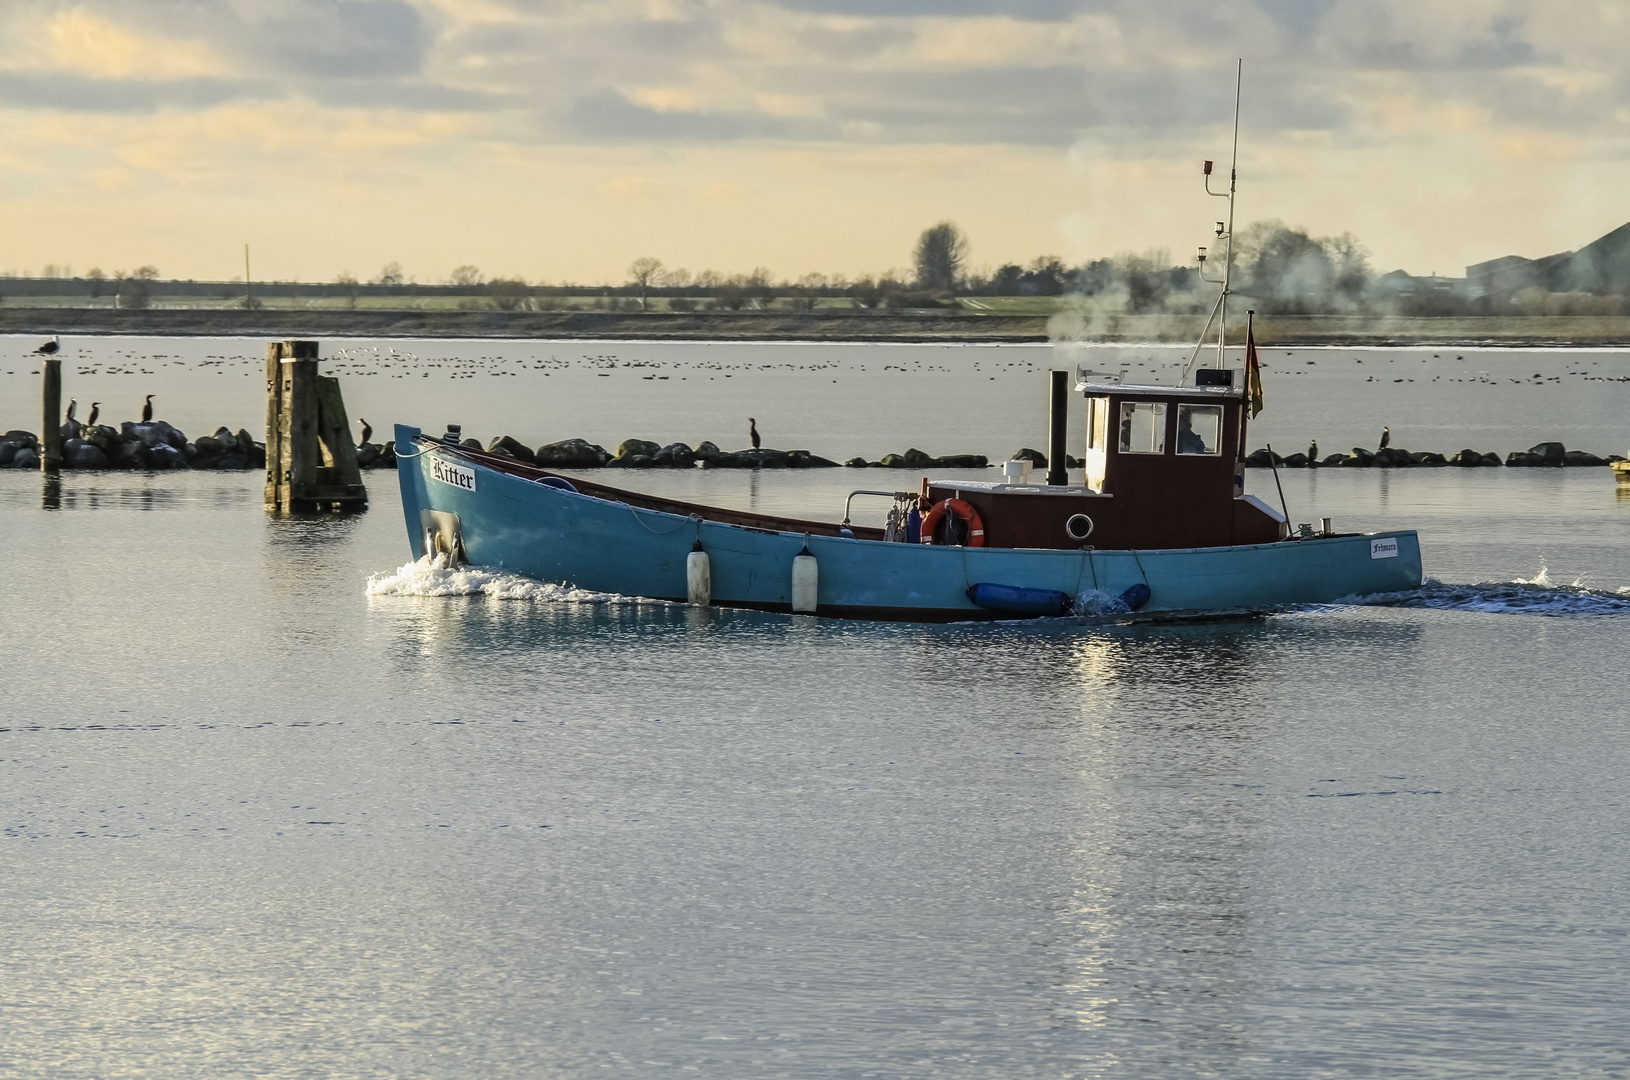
pixel 1164 469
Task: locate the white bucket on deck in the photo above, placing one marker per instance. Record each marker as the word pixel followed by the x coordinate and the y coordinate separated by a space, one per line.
pixel 805 580
pixel 698 578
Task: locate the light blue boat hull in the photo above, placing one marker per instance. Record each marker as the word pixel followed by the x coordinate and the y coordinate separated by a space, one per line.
pixel 561 536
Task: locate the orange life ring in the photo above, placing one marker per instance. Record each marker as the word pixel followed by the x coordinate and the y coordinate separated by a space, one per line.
pixel 932 519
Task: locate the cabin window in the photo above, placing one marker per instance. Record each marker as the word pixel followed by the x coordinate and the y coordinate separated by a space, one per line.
pixel 1199 429
pixel 1143 427
pixel 1097 423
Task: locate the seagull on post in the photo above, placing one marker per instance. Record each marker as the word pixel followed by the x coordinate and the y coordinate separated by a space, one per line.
pixel 50 348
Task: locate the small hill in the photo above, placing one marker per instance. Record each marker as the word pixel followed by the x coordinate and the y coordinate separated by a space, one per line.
pixel 1602 266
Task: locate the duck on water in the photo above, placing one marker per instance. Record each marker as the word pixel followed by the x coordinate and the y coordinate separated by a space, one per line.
pixel 1161 527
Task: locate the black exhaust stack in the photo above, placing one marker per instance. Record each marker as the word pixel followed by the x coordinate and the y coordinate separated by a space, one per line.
pixel 1057 429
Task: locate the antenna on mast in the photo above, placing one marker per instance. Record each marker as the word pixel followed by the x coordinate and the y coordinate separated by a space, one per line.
pixel 1225 232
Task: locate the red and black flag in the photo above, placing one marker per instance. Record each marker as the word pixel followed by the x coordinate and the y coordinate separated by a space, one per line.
pixel 1253 368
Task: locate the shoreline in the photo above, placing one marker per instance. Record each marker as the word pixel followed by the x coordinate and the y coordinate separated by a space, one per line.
pixel 832 326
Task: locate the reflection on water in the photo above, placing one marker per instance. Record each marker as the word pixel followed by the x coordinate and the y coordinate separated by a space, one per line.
pixel 262 771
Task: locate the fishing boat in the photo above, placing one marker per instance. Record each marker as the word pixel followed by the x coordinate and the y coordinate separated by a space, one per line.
pixel 1159 527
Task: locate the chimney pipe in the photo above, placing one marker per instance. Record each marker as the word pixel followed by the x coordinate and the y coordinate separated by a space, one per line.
pixel 1057 433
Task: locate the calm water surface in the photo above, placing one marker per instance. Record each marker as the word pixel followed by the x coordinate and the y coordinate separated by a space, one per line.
pixel 256 820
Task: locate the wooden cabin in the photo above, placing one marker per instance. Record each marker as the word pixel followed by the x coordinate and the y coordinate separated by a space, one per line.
pixel 1164 469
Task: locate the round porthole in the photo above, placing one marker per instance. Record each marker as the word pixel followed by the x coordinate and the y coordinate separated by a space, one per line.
pixel 1078 527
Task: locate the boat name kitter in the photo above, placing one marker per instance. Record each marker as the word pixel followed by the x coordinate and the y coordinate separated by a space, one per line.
pixel 456 475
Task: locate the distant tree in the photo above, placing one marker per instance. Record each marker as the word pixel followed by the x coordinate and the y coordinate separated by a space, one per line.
pixel 866 293
pixel 390 274
pixel 1288 270
pixel 646 274
pixel 133 294
pixel 1147 282
pixel 941 252
pixel 708 279
pixel 806 291
pixel 678 279
pixel 465 275
pixel 95 278
pixel 508 295
pixel 730 295
pixel 1350 262
pixel 347 282
pixel 145 273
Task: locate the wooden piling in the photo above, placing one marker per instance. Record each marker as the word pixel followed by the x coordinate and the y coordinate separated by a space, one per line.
pixel 51 436
pixel 311 462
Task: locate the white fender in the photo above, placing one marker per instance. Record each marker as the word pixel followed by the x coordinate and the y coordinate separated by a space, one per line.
pixel 805 582
pixel 698 578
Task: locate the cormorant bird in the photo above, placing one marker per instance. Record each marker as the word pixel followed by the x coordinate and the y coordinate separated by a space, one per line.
pixel 367 432
pixel 96 410
pixel 147 410
pixel 752 431
pixel 1386 437
pixel 73 406
pixel 50 347
pixel 1313 450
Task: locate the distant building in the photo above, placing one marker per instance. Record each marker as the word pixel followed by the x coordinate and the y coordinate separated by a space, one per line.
pixel 1400 284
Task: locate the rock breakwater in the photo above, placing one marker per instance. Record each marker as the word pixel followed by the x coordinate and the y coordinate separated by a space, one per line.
pixel 644 454
pixel 1553 455
pixel 157 445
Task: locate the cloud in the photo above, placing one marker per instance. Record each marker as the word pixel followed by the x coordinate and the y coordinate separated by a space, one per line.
pixel 1480 92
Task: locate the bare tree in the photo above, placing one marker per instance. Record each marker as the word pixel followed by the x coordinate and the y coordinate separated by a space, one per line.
pixel 508 295
pixel 647 273
pixel 95 277
pixel 347 282
pixel 390 274
pixel 941 252
pixel 465 275
pixel 145 273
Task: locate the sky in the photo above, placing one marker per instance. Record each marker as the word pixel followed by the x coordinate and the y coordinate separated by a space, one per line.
pixel 559 141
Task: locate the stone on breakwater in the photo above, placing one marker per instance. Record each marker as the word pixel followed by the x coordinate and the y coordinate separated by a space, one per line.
pixel 26 458
pixel 637 448
pixel 1262 459
pixel 572 454
pixel 512 447
pixel 674 456
pixel 1580 457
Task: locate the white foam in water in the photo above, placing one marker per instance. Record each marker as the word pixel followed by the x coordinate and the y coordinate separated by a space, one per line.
pixel 1524 596
pixel 428 577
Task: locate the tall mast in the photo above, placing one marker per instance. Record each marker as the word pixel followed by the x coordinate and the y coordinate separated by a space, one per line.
pixel 1233 178
pixel 1225 232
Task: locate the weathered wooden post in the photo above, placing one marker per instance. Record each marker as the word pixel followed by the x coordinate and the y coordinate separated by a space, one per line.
pixel 311 462
pixel 51 436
